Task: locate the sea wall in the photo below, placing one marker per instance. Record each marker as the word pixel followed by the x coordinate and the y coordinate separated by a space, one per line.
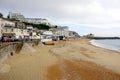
pixel 9 49
pixel 6 51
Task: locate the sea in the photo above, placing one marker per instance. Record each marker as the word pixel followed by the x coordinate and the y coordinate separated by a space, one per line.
pixel 112 44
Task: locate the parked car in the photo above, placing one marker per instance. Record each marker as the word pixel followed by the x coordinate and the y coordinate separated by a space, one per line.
pixel 54 38
pixel 6 39
pixel 14 39
pixel 61 37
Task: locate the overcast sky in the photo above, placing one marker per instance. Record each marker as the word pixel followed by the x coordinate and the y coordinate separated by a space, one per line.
pixel 101 17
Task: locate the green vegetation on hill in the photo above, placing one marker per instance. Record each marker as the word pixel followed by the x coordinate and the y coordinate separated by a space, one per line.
pixel 1 15
pixel 39 26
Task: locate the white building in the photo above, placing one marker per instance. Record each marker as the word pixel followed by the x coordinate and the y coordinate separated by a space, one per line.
pixel 1 26
pixel 16 32
pixel 32 32
pixel 8 23
pixel 17 16
pixel 37 21
pixel 47 36
pixel 63 31
pixel 7 27
pixel 20 25
pixel 29 27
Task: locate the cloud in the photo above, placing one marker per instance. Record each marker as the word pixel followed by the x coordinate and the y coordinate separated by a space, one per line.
pixel 84 11
pixel 100 14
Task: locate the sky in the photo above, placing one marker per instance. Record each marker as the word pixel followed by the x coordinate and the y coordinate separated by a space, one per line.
pixel 100 17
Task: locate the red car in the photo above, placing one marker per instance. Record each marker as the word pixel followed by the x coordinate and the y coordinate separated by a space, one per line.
pixel 6 39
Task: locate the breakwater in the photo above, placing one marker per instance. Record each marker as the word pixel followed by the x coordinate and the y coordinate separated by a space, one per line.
pixel 106 38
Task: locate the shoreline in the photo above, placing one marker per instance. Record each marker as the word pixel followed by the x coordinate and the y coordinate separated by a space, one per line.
pixel 95 45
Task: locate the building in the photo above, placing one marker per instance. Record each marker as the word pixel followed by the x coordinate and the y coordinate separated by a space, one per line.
pixel 54 31
pixel 12 29
pixel 8 23
pixel 17 16
pixel 90 36
pixel 63 31
pixel 8 26
pixel 20 25
pixel 15 32
pixel 1 26
pixel 37 21
pixel 33 32
pixel 73 34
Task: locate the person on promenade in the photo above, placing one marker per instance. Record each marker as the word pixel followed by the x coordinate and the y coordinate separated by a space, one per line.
pixel 1 41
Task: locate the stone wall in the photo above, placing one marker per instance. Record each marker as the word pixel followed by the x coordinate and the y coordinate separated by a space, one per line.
pixel 6 51
pixel 9 49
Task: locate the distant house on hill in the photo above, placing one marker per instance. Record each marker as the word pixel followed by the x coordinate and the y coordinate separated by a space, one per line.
pixel 17 16
pixel 20 25
pixel 89 36
pixel 73 34
pixel 37 20
pixel 63 31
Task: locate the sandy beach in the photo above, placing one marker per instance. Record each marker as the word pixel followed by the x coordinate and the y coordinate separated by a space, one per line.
pixel 75 59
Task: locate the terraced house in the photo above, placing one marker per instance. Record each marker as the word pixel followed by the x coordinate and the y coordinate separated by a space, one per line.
pixel 14 29
pixel 8 26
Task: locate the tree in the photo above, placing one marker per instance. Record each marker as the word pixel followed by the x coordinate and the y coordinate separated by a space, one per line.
pixel 1 15
pixel 39 26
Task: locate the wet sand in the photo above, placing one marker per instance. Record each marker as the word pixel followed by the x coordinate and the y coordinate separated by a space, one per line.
pixel 66 60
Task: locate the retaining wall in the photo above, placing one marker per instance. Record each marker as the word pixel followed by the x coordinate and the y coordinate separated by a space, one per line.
pixel 6 51
pixel 9 49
